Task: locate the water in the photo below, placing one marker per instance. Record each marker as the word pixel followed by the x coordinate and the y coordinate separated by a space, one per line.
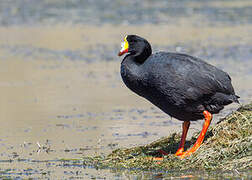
pixel 120 12
pixel 61 92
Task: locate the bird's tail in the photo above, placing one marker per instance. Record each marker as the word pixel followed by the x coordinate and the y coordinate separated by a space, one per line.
pixel 235 99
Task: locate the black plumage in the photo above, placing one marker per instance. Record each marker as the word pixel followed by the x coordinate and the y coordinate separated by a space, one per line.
pixel 180 85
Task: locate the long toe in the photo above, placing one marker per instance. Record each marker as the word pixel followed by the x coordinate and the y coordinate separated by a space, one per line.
pixel 179 152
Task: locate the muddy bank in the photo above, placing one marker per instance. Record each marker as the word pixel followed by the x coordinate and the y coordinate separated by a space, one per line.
pixel 227 147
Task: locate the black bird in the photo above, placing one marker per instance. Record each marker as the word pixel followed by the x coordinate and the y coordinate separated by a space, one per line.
pixel 185 87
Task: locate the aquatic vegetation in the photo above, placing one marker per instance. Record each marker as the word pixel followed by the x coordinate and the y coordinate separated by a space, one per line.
pixel 228 146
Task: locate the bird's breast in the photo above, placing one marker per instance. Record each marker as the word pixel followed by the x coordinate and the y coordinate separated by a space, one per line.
pixel 134 80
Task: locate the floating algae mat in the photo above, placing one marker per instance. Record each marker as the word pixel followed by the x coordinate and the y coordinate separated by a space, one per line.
pixel 227 146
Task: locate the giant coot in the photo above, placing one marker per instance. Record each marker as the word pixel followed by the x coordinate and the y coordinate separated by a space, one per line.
pixel 185 87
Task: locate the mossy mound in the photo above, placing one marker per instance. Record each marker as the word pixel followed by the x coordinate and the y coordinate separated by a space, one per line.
pixel 227 146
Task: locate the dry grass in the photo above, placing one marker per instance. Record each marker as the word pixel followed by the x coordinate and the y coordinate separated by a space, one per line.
pixel 228 145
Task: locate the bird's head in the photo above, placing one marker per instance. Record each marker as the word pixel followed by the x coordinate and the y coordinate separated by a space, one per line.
pixel 135 45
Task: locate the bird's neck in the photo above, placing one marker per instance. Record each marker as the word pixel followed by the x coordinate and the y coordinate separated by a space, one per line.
pixel 142 54
pixel 130 67
pixel 132 74
pixel 140 57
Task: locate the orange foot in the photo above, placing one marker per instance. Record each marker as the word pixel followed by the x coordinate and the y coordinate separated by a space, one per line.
pixel 157 160
pixel 179 152
pixel 187 153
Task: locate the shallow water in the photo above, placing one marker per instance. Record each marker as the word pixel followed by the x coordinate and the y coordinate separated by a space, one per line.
pixel 61 92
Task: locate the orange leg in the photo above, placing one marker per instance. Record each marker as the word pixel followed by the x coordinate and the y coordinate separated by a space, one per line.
pixel 208 118
pixel 185 126
pixel 180 150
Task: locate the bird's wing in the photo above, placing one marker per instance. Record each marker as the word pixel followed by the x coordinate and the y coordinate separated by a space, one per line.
pixel 202 79
pixel 187 78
